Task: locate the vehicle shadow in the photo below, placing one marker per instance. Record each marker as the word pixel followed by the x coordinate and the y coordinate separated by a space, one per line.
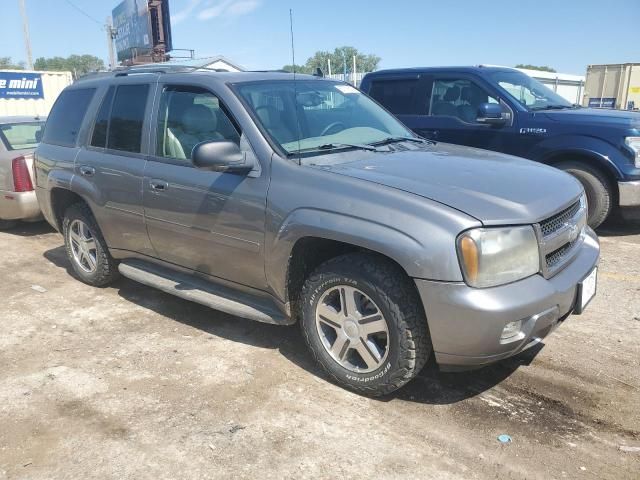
pixel 430 387
pixel 621 224
pixel 30 229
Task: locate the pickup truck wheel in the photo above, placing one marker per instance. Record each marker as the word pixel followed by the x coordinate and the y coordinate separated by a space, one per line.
pixel 364 323
pixel 597 188
pixel 86 248
pixel 6 224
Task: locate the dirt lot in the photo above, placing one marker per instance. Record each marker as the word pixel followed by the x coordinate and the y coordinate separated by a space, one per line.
pixel 127 382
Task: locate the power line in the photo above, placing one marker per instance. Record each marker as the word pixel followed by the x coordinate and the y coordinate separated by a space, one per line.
pixel 84 13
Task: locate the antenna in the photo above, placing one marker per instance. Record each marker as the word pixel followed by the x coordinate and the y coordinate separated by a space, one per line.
pixel 295 85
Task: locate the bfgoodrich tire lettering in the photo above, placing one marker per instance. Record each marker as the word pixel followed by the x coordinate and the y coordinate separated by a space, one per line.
pixel 394 295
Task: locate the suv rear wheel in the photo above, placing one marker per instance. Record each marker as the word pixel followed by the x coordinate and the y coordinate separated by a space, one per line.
pixel 596 186
pixel 364 323
pixel 86 248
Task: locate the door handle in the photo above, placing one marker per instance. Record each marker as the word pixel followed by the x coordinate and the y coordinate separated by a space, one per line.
pixel 87 171
pixel 158 185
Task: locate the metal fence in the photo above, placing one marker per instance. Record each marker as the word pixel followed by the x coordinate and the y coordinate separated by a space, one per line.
pixel 353 78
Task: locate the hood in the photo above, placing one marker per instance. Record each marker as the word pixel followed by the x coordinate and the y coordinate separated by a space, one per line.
pixel 596 116
pixel 492 187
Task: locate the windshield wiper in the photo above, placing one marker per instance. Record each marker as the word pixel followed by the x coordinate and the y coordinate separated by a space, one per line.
pixel 389 140
pixel 336 146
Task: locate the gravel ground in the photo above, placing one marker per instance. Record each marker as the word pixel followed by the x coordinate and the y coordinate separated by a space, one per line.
pixel 128 382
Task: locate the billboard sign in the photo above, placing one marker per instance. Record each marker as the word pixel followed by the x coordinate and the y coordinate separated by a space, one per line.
pixel 133 26
pixel 20 85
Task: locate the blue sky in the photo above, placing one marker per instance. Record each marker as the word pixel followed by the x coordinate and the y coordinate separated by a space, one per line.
pixel 565 34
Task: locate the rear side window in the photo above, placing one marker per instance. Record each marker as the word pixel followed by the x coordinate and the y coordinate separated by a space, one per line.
pixel 398 96
pixel 99 136
pixel 127 118
pixel 65 120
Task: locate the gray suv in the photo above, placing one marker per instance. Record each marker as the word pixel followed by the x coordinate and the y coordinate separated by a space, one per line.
pixel 284 199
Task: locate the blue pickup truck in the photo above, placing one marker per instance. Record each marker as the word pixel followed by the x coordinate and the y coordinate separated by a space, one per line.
pixel 503 109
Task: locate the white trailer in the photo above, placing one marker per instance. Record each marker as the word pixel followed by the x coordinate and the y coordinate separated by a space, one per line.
pixel 29 92
pixel 571 87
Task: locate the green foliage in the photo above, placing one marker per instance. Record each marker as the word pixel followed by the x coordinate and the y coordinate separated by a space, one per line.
pixel 299 69
pixel 542 68
pixel 78 65
pixel 364 62
pixel 7 64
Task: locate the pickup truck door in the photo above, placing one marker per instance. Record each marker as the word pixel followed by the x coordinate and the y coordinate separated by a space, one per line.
pixel 453 102
pixel 210 222
pixel 109 167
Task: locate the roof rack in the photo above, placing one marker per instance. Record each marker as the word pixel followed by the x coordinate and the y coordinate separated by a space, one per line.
pixel 155 68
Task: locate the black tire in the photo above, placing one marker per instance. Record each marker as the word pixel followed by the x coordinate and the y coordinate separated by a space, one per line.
pixel 106 268
pixel 7 224
pixel 408 342
pixel 598 188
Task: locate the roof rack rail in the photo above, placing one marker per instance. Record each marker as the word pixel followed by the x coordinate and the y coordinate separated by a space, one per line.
pixel 155 68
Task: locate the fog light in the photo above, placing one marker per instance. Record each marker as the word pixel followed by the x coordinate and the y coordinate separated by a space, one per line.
pixel 511 330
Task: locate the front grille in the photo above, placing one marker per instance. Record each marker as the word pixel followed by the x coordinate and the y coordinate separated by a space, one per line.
pixel 559 220
pixel 560 236
pixel 554 258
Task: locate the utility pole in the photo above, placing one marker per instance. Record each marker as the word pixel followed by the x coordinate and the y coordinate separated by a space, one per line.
pixel 111 35
pixel 354 71
pixel 25 29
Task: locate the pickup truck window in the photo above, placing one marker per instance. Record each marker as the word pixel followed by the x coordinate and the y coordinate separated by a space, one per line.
pixel 188 116
pixel 308 115
pixel 458 98
pixel 398 96
pixel 528 91
pixel 65 120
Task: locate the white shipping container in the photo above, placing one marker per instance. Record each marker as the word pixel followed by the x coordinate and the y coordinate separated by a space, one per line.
pixel 52 84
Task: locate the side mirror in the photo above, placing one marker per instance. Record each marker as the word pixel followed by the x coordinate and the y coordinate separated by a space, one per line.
pixel 220 156
pixel 491 114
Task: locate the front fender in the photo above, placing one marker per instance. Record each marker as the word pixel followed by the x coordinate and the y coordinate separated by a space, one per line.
pixel 419 257
pixel 601 153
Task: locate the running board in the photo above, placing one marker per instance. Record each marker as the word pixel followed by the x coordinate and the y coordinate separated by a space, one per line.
pixel 205 293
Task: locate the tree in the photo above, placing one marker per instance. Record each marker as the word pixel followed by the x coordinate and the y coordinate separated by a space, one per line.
pixel 298 69
pixel 542 68
pixel 7 64
pixel 78 65
pixel 339 57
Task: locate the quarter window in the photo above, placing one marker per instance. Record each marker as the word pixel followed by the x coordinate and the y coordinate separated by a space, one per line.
pixel 189 116
pixel 458 98
pixel 65 119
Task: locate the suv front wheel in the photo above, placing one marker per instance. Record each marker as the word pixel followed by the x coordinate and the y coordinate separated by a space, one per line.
pixel 364 324
pixel 86 248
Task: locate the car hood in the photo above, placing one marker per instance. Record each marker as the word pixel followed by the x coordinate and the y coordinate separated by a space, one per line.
pixel 596 116
pixel 492 187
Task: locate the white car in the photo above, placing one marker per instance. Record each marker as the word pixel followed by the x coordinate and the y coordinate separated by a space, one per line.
pixel 19 137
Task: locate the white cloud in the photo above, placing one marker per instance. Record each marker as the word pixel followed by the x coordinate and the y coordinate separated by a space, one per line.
pixel 229 8
pixel 185 12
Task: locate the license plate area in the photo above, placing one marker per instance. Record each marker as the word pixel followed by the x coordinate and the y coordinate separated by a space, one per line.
pixel 586 291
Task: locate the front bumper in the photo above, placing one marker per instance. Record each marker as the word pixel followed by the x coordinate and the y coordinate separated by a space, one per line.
pixel 629 194
pixel 19 206
pixel 466 323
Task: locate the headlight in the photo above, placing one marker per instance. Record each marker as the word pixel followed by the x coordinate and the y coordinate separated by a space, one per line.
pixel 495 256
pixel 634 144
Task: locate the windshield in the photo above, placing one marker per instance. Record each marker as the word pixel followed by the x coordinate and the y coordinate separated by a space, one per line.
pixel 19 136
pixel 528 91
pixel 329 115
